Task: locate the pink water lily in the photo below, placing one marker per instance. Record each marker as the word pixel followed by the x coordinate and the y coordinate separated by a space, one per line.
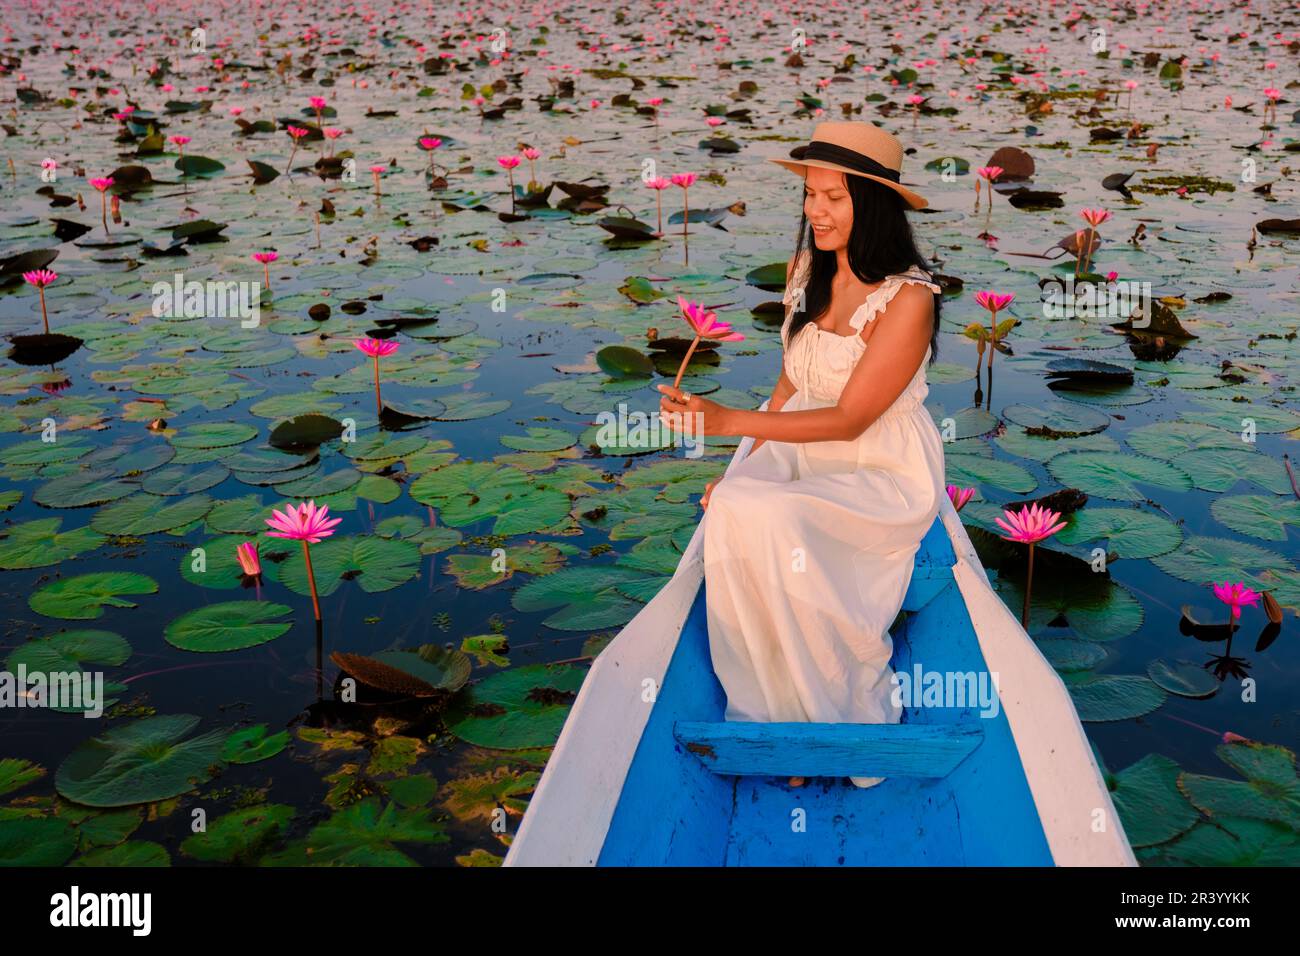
pixel 686 181
pixel 249 562
pixel 1236 596
pixel 705 325
pixel 959 496
pixel 102 185
pixel 318 104
pixel 376 348
pixel 306 523
pixel 266 258
pixel 1094 218
pixel 532 155
pixel 295 133
pixel 1031 524
pixel 995 302
pixel 659 184
pixel 508 163
pixel 41 278
pixel 377 170
pixel 990 175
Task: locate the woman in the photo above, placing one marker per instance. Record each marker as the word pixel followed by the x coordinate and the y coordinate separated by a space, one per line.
pixel 809 542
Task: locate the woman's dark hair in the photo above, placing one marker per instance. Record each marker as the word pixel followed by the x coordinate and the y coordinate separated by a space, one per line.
pixel 880 245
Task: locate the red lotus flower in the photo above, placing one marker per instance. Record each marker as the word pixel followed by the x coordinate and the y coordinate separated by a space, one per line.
pixel 1030 524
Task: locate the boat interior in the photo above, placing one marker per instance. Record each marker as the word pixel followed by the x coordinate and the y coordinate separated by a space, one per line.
pixel 702 791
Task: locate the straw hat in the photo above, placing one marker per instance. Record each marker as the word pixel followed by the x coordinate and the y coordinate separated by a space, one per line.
pixel 855 148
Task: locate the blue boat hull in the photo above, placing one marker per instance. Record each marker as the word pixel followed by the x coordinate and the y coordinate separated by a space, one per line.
pixel 675 810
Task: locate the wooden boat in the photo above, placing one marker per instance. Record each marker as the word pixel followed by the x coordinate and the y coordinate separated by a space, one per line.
pixel 647 773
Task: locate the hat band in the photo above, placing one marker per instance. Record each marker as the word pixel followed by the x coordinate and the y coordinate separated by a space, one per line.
pixel 843 156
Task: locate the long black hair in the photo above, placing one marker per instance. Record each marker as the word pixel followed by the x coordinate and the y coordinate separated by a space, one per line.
pixel 881 244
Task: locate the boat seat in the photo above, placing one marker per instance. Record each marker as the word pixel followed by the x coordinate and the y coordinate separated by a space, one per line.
pixel 748 748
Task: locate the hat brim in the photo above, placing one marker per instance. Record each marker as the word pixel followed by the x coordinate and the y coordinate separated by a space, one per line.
pixel 915 200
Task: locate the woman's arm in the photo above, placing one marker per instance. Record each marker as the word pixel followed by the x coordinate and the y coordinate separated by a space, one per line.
pixel 898 345
pixel 780 395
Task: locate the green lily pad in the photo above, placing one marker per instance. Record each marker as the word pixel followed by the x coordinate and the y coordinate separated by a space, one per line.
pixel 1149 803
pixel 229 626
pixel 140 762
pixel 1126 531
pixel 239 836
pixel 375 563
pixel 251 744
pixel 1270 791
pixel 40 544
pixel 147 514
pixel 36 841
pixel 1184 678
pixel 1104 697
pixel 518 708
pixel 1115 475
pixel 85 596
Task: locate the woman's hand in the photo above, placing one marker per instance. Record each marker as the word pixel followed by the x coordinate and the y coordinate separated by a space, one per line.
pixel 690 414
pixel 708 490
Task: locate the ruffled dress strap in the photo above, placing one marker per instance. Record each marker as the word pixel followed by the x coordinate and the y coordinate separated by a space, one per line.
pixel 882 296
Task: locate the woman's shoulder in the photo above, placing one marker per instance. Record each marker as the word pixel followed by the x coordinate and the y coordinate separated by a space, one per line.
pixel 915 275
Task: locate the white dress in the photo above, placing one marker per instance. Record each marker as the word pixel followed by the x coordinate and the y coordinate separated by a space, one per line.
pixel 809 546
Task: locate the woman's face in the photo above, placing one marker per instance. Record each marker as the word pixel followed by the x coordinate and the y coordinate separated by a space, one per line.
pixel 829 208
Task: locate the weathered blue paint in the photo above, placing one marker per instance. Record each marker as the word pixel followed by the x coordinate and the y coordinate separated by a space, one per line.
pixel 675 811
pixel 829 750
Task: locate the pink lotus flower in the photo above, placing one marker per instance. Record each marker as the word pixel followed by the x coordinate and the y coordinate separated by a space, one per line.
pixel 655 101
pixel 246 555
pixel 295 133
pixel 531 153
pixel 1030 524
pixel 332 133
pixel 236 110
pixel 1094 217
pixel 991 173
pixel 715 120
pixel 102 185
pixel 304 522
pixel 1230 738
pixel 959 496
pixel 659 184
pixel 179 140
pixel 1236 596
pixel 41 278
pixel 993 301
pixel 508 162
pixel 266 258
pixel 705 325
pixel 685 180
pixel 430 142
pixel 375 348
pixel 1112 276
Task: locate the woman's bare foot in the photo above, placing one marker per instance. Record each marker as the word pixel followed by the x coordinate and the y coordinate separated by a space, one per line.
pixel 797 781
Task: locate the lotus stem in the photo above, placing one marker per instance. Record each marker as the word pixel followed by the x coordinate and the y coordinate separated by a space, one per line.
pixel 685 362
pixel 379 405
pixel 1029 583
pixel 311 581
pixel 44 318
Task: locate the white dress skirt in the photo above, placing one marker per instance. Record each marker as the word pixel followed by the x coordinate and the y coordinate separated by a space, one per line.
pixel 809 546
